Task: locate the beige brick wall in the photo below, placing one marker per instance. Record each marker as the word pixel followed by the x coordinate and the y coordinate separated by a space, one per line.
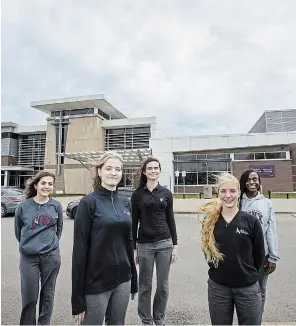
pixel 50 145
pixel 77 181
pixel 84 134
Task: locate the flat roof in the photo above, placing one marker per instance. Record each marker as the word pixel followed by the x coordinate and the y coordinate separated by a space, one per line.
pixel 79 102
pixel 20 129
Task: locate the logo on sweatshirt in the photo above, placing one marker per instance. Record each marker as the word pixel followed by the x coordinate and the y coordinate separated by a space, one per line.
pixel 42 220
pixel 161 199
pixel 256 213
pixel 241 231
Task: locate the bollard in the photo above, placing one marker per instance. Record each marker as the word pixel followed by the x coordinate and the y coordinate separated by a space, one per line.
pixel 183 196
pixel 200 195
pixel 287 196
pixel 269 193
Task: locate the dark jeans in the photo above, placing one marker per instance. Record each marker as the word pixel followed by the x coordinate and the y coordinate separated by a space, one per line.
pixel 159 252
pixel 32 270
pixel 111 305
pixel 246 300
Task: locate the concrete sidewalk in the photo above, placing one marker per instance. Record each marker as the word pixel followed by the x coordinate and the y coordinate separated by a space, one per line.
pixel 190 206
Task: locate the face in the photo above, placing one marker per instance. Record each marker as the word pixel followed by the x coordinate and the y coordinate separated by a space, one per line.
pixel 228 194
pixel 253 184
pixel 111 172
pixel 152 170
pixel 45 186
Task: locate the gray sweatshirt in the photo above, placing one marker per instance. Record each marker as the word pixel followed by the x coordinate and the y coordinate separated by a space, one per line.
pixel 38 227
pixel 261 207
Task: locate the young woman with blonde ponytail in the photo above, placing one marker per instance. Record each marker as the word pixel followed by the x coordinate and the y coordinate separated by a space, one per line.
pixel 233 244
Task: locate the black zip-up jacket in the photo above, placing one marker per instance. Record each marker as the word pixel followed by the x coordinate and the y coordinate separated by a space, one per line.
pixel 154 211
pixel 242 243
pixel 103 247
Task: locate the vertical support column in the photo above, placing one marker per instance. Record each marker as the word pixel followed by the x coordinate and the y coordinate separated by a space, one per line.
pixel 6 179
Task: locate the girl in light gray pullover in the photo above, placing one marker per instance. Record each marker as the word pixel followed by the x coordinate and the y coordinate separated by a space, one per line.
pixel 38 227
pixel 255 203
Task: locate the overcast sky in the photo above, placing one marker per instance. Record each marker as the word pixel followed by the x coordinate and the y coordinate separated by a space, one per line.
pixel 200 67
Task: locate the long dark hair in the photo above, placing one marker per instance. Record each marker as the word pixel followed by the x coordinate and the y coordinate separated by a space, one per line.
pixel 30 190
pixel 142 179
pixel 243 181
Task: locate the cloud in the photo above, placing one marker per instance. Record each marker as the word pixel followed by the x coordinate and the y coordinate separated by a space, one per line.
pixel 198 66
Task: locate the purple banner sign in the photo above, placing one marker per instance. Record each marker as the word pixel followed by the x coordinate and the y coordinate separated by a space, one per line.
pixel 264 171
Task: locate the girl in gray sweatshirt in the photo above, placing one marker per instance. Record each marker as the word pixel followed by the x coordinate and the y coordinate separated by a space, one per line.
pixel 38 227
pixel 254 202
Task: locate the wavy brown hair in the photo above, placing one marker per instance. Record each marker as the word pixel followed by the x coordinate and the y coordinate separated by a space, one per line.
pixel 30 190
pixel 103 159
pixel 212 210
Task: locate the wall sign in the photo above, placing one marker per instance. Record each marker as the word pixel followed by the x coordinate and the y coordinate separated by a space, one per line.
pixel 264 171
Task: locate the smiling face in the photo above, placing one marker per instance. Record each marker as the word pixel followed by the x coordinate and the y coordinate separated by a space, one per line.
pixel 111 172
pixel 152 171
pixel 45 186
pixel 253 183
pixel 229 194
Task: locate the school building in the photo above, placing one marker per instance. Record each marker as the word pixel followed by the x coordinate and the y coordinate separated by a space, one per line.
pixel 79 129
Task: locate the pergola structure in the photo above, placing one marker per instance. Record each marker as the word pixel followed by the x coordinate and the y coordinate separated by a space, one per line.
pixel 130 156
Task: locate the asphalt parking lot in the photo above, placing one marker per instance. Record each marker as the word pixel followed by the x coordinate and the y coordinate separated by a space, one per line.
pixel 188 282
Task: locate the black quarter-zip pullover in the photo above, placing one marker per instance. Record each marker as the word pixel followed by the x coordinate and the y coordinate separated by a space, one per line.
pixel 103 247
pixel 154 211
pixel 242 243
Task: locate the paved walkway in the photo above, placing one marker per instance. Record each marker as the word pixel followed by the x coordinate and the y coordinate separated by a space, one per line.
pixel 190 206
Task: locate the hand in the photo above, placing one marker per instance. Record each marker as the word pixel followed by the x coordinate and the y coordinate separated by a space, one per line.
pixel 133 295
pixel 136 257
pixel 79 318
pixel 174 255
pixel 270 267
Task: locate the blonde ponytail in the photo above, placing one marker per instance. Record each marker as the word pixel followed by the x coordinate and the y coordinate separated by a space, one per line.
pixel 212 210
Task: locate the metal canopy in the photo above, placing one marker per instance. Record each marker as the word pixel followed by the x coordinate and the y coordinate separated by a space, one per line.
pixel 130 156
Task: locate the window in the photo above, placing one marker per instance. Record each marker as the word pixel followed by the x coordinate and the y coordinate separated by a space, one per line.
pixel 82 111
pixel 275 155
pixel 139 130
pixel 212 177
pixel 186 158
pixel 188 167
pixel 217 156
pixel 244 156
pixel 115 131
pixel 202 166
pixel 259 156
pixel 9 135
pixel 217 166
pixel 190 179
pixel 203 178
pixel 201 156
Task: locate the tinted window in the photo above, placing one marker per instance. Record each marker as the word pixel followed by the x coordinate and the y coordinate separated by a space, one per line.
pixel 8 192
pixel 276 155
pixel 259 156
pixel 244 156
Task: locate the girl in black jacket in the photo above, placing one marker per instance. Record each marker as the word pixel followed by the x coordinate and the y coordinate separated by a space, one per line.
pixel 103 269
pixel 155 242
